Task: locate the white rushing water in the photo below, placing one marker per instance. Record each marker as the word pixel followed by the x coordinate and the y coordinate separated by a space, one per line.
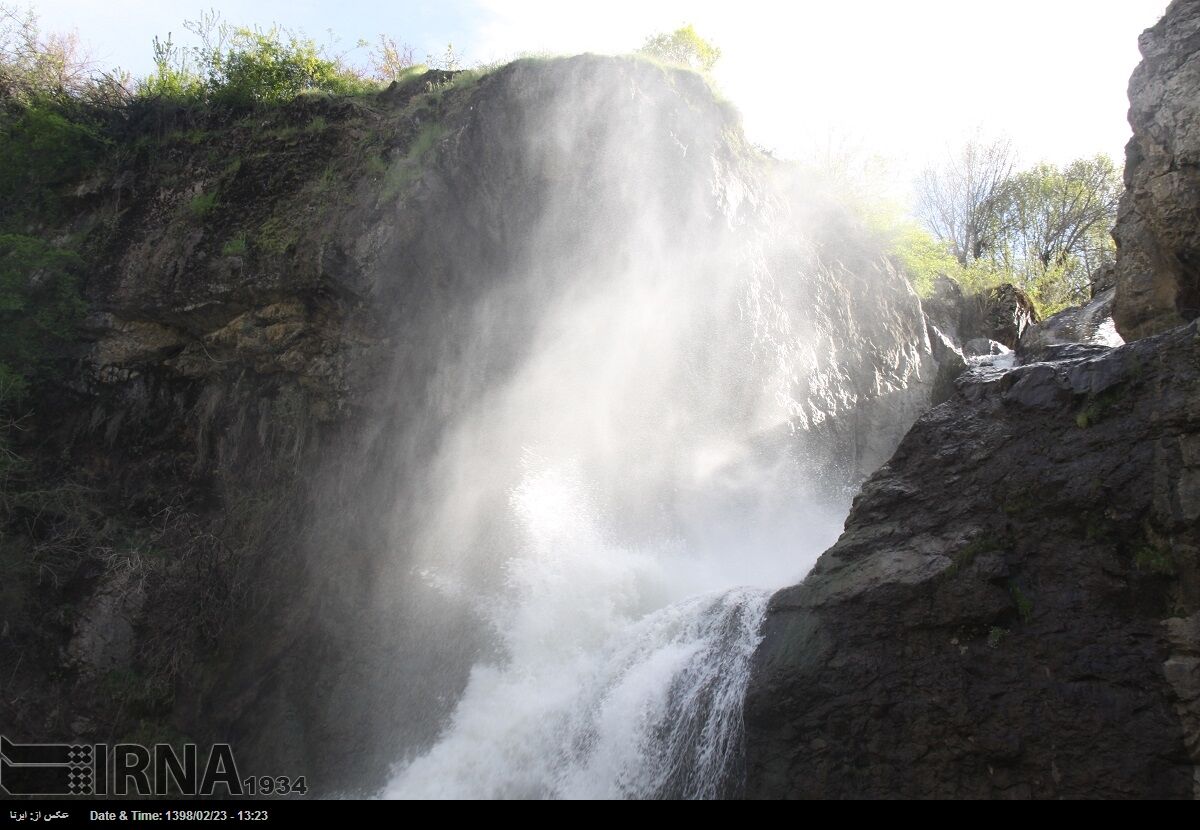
pixel 625 670
pixel 614 487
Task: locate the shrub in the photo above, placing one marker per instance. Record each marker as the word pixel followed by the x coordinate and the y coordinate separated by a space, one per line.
pixel 235 246
pixel 40 305
pixel 40 149
pixel 684 47
pixel 241 67
pixel 922 257
pixel 272 67
pixel 202 204
pixel 36 67
pixel 171 78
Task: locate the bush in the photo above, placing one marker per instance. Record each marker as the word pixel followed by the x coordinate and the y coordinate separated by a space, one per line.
pixel 683 47
pixel 40 305
pixel 270 68
pixel 242 67
pixel 171 79
pixel 40 149
pixel 922 257
pixel 34 66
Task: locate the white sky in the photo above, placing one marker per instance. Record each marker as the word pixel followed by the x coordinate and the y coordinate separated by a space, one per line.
pixel 899 79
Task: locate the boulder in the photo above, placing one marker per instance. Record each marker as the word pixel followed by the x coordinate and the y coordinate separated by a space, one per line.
pixel 1001 314
pixel 1090 324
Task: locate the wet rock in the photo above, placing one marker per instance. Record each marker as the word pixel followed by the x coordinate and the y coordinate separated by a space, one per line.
pixel 1011 609
pixel 1091 324
pixel 982 346
pixel 944 308
pixel 950 363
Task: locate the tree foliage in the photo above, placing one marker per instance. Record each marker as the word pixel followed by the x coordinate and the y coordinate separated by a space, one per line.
pixel 958 200
pixel 243 66
pixel 1045 229
pixel 39 307
pixel 684 47
pixel 36 66
pixel 1053 227
pixel 390 61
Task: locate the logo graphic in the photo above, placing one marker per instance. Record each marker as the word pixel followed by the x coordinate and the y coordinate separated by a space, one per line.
pixel 47 769
pixel 130 769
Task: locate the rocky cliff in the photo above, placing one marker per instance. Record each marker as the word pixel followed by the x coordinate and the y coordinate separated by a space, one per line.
pixel 1013 609
pixel 289 306
pixel 1158 251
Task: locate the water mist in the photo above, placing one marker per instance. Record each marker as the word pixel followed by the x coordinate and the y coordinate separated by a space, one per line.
pixel 604 474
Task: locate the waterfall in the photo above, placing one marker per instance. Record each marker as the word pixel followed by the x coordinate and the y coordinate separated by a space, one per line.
pixel 616 680
pixel 622 413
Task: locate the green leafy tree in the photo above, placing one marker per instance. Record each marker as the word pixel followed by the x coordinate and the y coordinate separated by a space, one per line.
pixel 684 47
pixel 1053 228
pixel 1045 229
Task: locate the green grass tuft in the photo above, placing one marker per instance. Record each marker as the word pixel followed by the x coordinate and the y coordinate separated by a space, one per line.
pixel 235 246
pixel 202 204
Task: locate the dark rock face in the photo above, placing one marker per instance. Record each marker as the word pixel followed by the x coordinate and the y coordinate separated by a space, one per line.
pixel 1013 609
pixel 1157 232
pixel 1002 314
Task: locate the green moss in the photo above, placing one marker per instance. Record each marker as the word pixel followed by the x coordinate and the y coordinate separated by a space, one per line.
pixel 996 636
pixel 1020 503
pixel 1024 604
pixel 327 181
pixel 1154 558
pixel 1096 527
pixel 375 167
pixel 1096 408
pixel 403 172
pixel 962 558
pixel 317 124
pixel 275 236
pixel 235 246
pixel 139 693
pixel 202 204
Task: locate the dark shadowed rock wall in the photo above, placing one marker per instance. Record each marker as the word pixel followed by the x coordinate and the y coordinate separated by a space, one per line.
pixel 1013 608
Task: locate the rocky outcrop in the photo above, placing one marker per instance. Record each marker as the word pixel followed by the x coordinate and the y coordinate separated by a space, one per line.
pixel 1012 609
pixel 1001 314
pixel 1089 324
pixel 1157 233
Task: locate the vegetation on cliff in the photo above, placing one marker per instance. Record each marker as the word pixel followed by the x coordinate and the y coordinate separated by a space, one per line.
pixel 1045 229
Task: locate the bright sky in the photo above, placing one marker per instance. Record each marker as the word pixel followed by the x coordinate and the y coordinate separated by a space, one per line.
pixel 900 80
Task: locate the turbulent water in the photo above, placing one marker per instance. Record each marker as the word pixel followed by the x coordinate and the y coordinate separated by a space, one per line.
pixel 616 682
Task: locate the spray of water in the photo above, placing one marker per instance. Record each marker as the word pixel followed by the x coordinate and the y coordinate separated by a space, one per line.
pixel 606 474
